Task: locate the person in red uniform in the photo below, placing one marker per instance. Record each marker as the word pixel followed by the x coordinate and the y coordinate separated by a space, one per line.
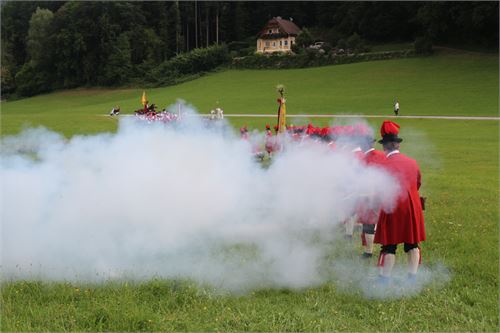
pixel 244 133
pixel 405 224
pixel 270 142
pixel 368 217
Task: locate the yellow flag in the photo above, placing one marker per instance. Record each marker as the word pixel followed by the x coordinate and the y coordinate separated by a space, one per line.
pixel 282 116
pixel 144 99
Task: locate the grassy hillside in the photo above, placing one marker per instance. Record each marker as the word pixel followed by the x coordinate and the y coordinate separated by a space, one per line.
pixel 446 84
pixel 460 166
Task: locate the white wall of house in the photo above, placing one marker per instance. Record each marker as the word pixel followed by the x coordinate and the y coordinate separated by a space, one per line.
pixel 275 45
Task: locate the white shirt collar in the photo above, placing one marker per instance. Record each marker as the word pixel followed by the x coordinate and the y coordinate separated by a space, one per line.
pixel 392 153
pixel 369 150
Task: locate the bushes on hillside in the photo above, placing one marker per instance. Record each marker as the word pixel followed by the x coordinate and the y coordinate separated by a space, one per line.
pixel 198 60
pixel 356 43
pixel 8 84
pixel 31 81
pixel 310 59
pixel 423 45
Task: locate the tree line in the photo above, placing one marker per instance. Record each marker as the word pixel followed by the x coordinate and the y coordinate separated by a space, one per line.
pixel 64 44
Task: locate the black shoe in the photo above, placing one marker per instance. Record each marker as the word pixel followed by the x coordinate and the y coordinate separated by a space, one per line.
pixel 411 279
pixel 366 255
pixel 383 281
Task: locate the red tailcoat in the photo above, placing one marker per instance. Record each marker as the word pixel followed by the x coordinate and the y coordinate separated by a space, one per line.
pixel 270 142
pixel 374 157
pixel 370 216
pixel 406 223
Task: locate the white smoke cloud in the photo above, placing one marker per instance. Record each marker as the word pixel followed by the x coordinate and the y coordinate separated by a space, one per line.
pixel 184 200
pixel 356 275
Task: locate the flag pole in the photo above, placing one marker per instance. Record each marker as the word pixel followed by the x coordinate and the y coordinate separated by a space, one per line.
pixel 281 109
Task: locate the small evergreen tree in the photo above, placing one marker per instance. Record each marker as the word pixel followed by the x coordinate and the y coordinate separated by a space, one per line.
pixel 304 39
pixel 39 37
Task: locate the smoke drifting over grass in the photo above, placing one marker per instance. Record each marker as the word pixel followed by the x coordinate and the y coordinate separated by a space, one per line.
pixel 184 200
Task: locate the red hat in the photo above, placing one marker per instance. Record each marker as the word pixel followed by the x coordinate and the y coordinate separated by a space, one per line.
pixel 361 129
pixel 389 131
pixel 243 129
pixel 349 130
pixel 268 127
pixel 364 132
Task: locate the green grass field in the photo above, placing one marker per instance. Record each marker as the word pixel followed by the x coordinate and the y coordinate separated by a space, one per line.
pixel 459 160
pixel 449 83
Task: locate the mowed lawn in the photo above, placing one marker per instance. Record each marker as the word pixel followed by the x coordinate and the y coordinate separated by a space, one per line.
pixel 449 83
pixel 460 166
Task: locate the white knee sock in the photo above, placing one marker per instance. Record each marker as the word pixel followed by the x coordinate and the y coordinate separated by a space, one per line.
pixel 413 260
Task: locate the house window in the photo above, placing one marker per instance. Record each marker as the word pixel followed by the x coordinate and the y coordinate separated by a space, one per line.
pixel 281 43
pixel 270 31
pixel 274 44
pixel 286 43
pixel 267 44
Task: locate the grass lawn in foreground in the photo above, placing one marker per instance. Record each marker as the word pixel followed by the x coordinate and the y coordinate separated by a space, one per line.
pixel 461 183
pixel 460 165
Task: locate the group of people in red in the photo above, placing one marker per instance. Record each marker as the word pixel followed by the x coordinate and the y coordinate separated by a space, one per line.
pixel 150 114
pixel 405 223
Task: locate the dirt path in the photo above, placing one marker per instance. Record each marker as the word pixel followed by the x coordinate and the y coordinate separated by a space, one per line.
pixel 347 116
pixel 363 116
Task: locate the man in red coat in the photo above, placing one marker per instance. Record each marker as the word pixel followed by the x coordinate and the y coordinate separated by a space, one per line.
pixel 270 144
pixel 369 217
pixel 404 224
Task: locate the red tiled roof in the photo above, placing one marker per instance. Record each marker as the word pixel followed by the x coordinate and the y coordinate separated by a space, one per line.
pixel 285 27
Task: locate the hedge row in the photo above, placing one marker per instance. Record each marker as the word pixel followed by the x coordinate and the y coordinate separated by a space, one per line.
pixel 276 61
pixel 188 64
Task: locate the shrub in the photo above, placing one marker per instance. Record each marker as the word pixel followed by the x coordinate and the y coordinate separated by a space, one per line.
pixel 196 61
pixel 8 84
pixel 304 39
pixel 311 58
pixel 356 43
pixel 342 44
pixel 237 46
pixel 423 45
pixel 31 81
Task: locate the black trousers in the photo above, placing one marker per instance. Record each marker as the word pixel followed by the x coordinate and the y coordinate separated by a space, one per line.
pixel 391 248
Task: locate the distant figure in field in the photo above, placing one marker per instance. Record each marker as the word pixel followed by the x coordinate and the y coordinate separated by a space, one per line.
pixel 396 108
pixel 270 144
pixel 219 113
pixel 212 115
pixel 152 108
pixel 216 114
pixel 115 111
pixel 244 133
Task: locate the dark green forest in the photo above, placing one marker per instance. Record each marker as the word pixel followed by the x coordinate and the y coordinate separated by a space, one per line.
pixel 64 44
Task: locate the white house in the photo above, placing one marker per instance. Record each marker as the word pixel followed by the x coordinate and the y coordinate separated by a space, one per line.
pixel 278 35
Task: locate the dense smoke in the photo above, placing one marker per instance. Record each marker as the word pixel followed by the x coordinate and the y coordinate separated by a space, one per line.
pixel 183 200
